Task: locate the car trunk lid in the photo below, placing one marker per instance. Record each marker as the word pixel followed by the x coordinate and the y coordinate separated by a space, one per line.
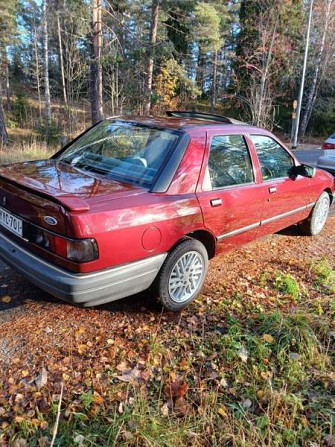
pixel 34 190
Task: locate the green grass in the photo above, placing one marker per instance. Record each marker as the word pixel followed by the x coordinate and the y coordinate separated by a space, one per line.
pixel 287 284
pixel 324 276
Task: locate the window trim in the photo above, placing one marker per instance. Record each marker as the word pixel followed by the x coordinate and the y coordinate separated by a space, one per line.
pixel 220 188
pixel 280 145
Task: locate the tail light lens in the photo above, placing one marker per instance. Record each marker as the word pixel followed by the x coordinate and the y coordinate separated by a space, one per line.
pixel 327 146
pixel 75 250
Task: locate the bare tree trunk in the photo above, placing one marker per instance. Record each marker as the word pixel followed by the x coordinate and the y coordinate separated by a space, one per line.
pixel 37 73
pixel 214 81
pixel 314 87
pixel 95 66
pixel 3 130
pixel 61 60
pixel 264 77
pixel 153 39
pixel 7 89
pixel 46 64
pixel 5 71
pixel 200 74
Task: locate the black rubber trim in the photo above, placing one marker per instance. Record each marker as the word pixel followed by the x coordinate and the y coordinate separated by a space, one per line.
pixel 165 178
pixel 202 116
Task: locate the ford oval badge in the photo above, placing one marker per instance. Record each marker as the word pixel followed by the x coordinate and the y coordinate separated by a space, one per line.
pixel 50 220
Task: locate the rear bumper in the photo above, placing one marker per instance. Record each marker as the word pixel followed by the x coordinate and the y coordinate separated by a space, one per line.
pixel 86 289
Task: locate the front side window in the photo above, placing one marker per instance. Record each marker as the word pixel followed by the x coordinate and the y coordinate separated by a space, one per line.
pixel 124 151
pixel 275 161
pixel 229 161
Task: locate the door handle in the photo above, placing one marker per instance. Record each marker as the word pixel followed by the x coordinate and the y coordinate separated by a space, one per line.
pixel 216 202
pixel 272 189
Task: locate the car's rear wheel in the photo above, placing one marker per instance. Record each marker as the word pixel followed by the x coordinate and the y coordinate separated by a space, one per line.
pixel 314 224
pixel 182 275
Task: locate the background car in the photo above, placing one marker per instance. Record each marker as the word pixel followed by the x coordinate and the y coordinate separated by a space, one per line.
pixel 327 159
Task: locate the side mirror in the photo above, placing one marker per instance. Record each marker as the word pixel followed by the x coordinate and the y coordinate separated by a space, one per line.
pixel 303 170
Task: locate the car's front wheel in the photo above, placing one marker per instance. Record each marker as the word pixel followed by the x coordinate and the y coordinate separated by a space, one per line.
pixel 182 275
pixel 318 217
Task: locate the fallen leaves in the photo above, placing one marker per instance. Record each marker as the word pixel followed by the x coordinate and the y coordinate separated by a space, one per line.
pixel 222 411
pixel 6 299
pixel 42 379
pixel 243 354
pixel 130 375
pixel 268 338
pixel 175 388
pixel 210 358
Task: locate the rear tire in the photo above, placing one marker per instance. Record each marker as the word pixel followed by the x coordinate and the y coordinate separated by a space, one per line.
pixel 182 276
pixel 314 224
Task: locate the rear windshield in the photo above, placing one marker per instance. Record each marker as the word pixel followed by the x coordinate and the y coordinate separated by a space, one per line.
pixel 124 151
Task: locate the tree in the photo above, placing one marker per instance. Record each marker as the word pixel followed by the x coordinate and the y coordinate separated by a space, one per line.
pixel 323 32
pixel 173 87
pixel 3 130
pixel 8 10
pixel 31 51
pixel 61 59
pixel 95 65
pixel 46 63
pixel 266 54
pixel 152 39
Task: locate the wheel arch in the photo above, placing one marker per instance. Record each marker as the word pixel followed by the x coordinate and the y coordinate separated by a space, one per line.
pixel 331 197
pixel 207 239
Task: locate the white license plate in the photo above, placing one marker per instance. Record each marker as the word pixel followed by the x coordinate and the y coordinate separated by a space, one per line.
pixel 10 222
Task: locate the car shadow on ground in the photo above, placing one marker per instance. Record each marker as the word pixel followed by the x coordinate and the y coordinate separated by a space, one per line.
pixel 16 293
pixel 290 231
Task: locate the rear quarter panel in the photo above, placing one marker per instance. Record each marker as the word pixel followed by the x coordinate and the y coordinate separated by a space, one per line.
pixel 138 227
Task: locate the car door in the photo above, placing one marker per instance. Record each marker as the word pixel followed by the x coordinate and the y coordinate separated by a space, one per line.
pixel 230 194
pixel 288 196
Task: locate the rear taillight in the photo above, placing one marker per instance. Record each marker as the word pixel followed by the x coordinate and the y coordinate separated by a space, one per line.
pixel 327 146
pixel 75 250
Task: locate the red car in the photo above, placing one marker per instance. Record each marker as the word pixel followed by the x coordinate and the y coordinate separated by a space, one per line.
pixel 139 202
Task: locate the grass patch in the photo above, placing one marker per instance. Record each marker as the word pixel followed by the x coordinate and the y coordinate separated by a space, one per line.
pixel 287 284
pixel 25 152
pixel 324 275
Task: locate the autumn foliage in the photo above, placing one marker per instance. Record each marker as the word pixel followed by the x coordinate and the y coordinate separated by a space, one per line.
pixel 251 361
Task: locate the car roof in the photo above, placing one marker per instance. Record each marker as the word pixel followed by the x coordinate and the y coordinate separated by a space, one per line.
pixel 177 123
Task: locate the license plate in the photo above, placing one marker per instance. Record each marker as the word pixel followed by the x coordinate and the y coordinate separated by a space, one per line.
pixel 10 222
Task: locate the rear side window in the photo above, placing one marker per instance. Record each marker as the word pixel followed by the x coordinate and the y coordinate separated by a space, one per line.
pixel 275 161
pixel 229 161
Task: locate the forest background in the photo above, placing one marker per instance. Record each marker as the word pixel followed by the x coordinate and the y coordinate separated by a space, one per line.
pixel 67 63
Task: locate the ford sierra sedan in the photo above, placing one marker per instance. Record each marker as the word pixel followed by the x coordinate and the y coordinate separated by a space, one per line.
pixel 140 202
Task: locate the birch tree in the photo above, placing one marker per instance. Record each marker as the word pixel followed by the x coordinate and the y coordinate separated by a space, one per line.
pixel 46 63
pixel 324 33
pixel 152 40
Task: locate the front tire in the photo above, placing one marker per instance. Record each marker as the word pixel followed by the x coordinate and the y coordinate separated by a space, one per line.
pixel 182 275
pixel 314 224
